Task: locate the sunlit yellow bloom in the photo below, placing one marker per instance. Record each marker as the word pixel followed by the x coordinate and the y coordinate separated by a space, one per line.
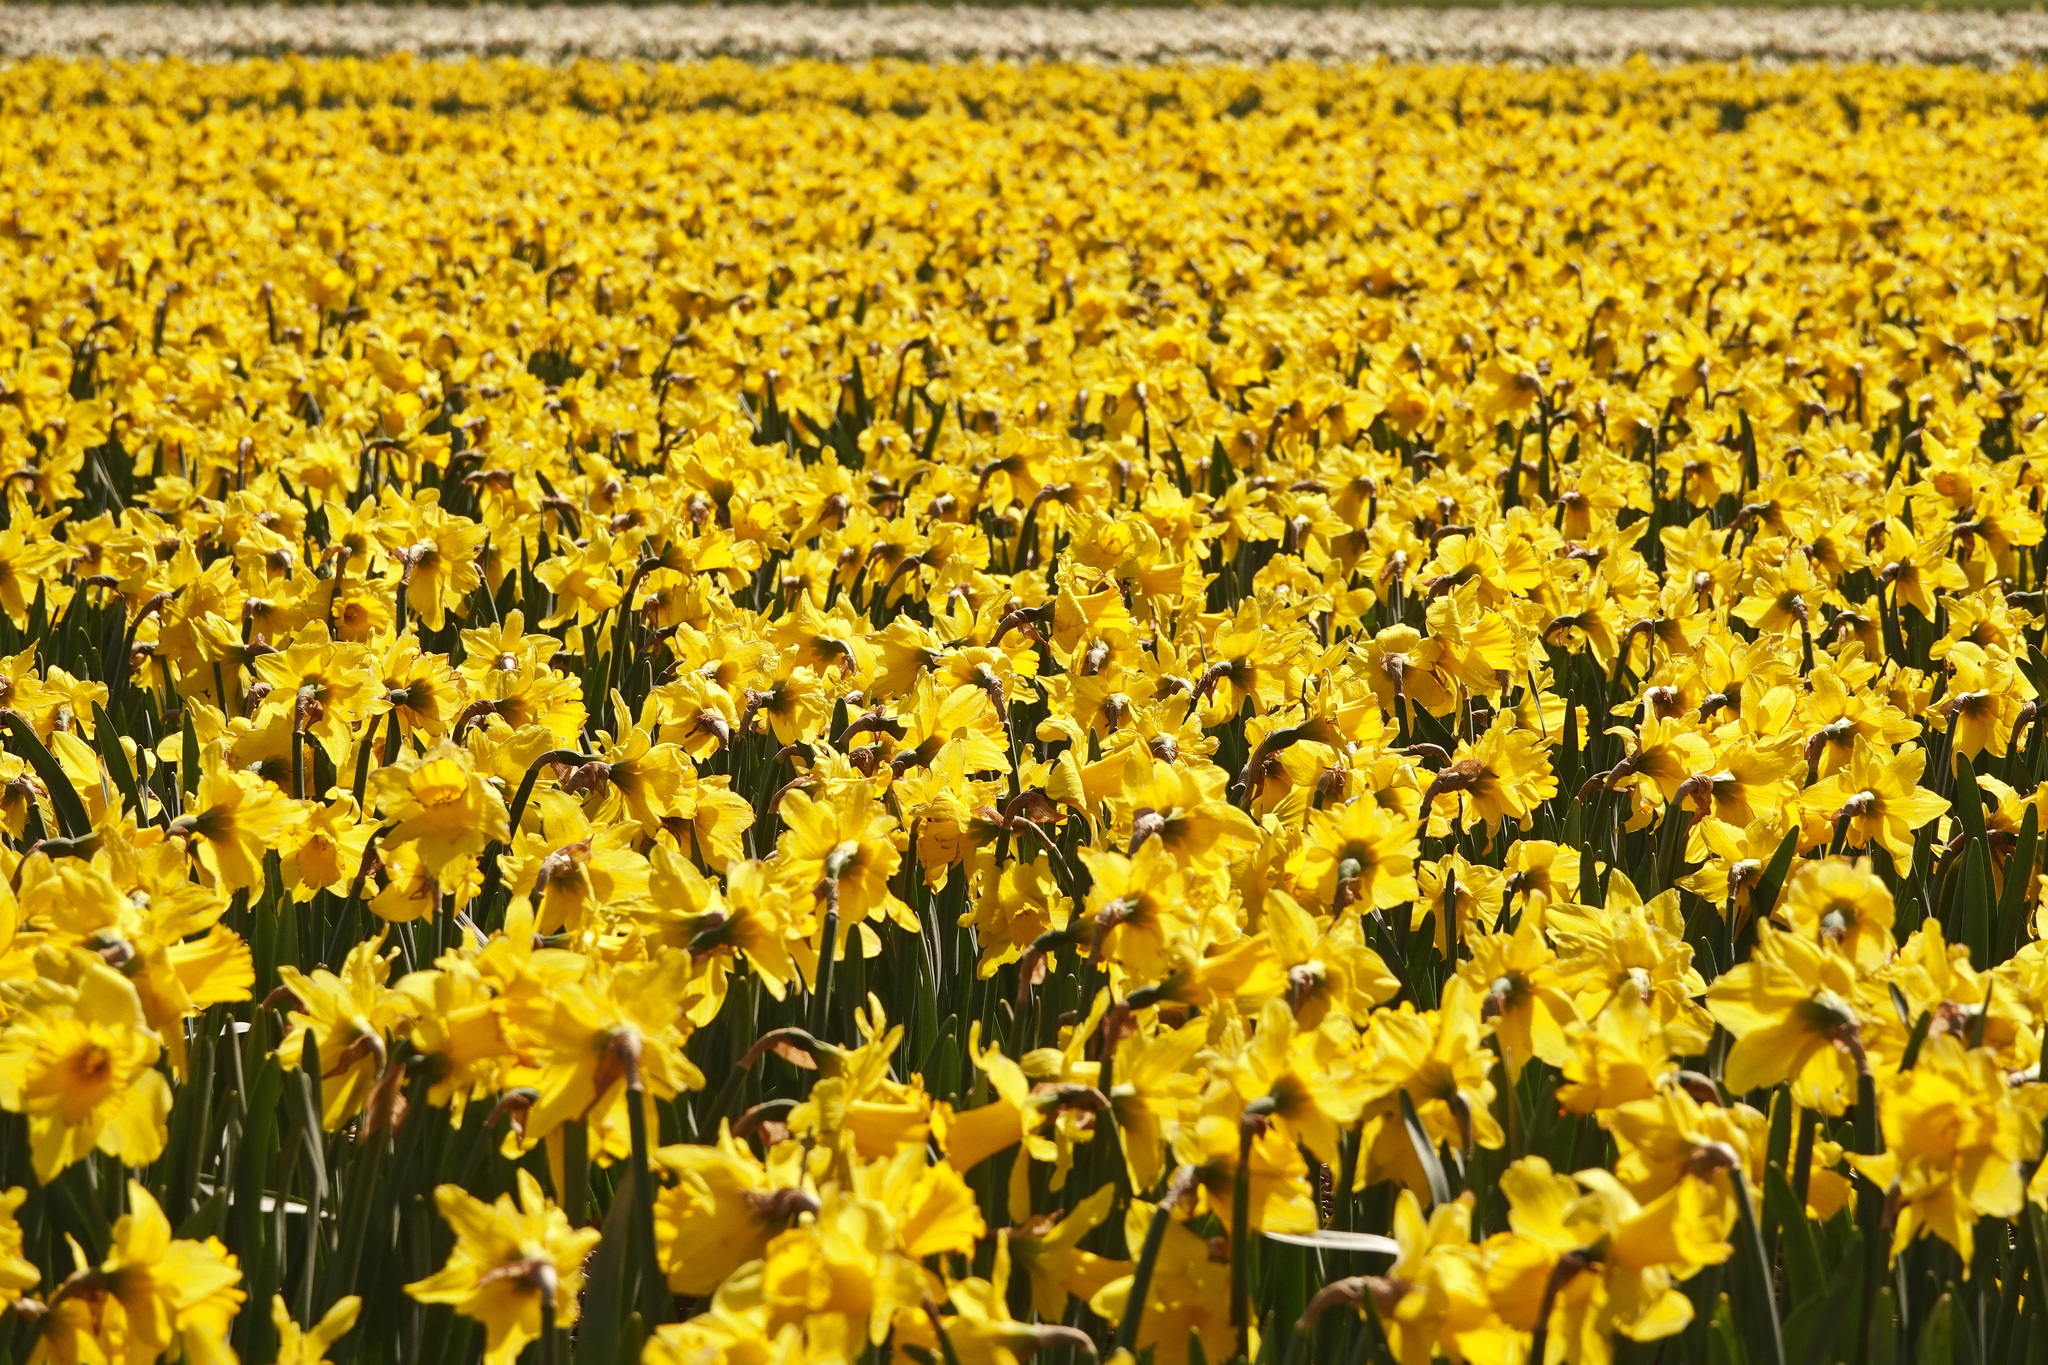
pixel 16 1273
pixel 1955 1140
pixel 81 1067
pixel 1791 1008
pixel 843 852
pixel 347 1017
pixel 233 821
pixel 1634 1252
pixel 443 807
pixel 1359 854
pixel 1517 977
pixel 298 1345
pixel 1877 799
pixel 1189 1294
pixel 152 1295
pixel 1840 902
pixel 723 1209
pixel 509 1259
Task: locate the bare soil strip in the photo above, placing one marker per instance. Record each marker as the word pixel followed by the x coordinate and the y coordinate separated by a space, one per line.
pixel 1550 35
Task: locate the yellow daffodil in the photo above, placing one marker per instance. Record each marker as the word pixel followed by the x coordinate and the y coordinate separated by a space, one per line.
pixel 80 1064
pixel 509 1260
pixel 153 1295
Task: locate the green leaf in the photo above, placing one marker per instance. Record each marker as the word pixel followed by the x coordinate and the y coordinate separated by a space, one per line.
pixel 1973 901
pixel 1869 1132
pixel 2019 872
pixel 72 821
pixel 602 1326
pixel 1589 842
pixel 364 1189
pixel 1284 1291
pixel 1763 898
pixel 188 757
pixel 72 1197
pixel 312 1139
pixel 206 1219
pixel 1759 1295
pixel 1804 1278
pixel 252 1161
pixel 1913 898
pixel 192 1137
pixel 1425 1151
pixel 1884 1328
pixel 1724 1343
pixel 39 612
pixel 1938 1334
pixel 109 739
pixel 1778 1143
pixel 1968 801
pixel 1812 1331
pixel 1915 1040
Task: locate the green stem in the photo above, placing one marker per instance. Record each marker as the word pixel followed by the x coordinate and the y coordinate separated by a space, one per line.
pixel 827 955
pixel 1248 1128
pixel 363 756
pixel 1347 1176
pixel 1564 1272
pixel 1802 1162
pixel 1148 1259
pixel 496 851
pixel 1105 1123
pixel 1870 1200
pixel 550 1347
pixel 646 1268
pixel 576 1171
pixel 1759 1268
pixel 947 1353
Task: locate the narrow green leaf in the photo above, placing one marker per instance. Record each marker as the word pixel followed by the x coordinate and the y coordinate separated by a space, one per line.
pixel 1938 1334
pixel 1804 1277
pixel 1884 1328
pixel 1724 1343
pixel 1283 1294
pixel 1587 837
pixel 188 757
pixel 1869 1132
pixel 1425 1151
pixel 1763 898
pixel 72 821
pixel 310 1109
pixel 206 1219
pixel 1778 1141
pixel 191 1136
pixel 1968 802
pixel 71 1195
pixel 1818 1323
pixel 2019 873
pixel 365 1188
pixel 1759 1299
pixel 252 1159
pixel 109 740
pixel 1973 901
pixel 1915 1040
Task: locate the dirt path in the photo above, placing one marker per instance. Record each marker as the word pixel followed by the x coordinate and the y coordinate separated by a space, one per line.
pixel 769 33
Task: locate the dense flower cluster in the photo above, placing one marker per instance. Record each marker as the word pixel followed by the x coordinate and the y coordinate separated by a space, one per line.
pixel 877 714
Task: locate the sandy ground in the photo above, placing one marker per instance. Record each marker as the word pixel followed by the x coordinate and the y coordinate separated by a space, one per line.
pixel 771 33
